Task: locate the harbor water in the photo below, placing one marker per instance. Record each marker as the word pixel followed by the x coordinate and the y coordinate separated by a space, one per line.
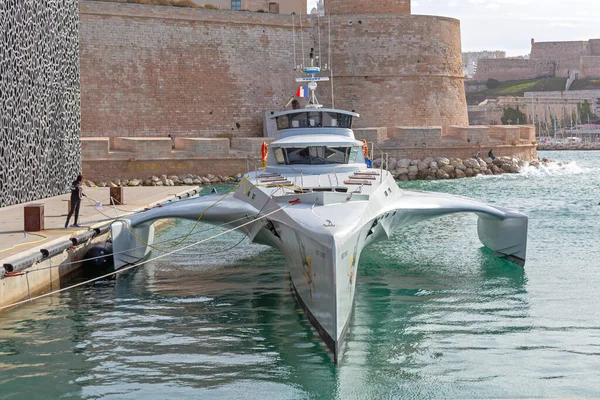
pixel 436 315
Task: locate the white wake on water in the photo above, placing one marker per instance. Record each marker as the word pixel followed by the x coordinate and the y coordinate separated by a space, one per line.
pixel 554 169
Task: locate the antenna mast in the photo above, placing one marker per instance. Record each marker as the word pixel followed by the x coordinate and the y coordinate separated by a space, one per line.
pixel 312 81
pixel 302 40
pixel 331 66
pixel 294 36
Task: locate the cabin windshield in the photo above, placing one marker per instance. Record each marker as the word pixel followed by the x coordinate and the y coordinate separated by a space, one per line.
pixel 314 119
pixel 316 155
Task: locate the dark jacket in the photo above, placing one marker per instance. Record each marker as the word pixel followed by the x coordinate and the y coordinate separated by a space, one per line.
pixel 76 191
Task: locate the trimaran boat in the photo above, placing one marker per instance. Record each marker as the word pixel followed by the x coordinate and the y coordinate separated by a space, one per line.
pixel 320 205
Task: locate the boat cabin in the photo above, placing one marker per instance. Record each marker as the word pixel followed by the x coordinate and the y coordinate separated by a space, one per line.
pixel 315 138
pixel 314 118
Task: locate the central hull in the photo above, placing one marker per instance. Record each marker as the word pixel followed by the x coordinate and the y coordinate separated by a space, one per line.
pixel 323 271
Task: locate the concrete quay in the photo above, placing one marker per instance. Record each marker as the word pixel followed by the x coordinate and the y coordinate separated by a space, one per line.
pixel 48 273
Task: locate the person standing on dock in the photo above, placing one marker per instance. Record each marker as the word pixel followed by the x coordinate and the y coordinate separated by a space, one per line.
pixel 76 196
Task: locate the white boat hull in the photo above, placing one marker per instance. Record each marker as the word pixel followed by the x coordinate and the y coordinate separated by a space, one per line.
pixel 322 235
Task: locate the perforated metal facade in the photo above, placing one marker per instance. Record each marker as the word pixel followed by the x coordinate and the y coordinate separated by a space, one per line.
pixel 40 150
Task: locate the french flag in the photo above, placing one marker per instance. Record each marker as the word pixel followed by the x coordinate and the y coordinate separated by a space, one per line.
pixel 302 91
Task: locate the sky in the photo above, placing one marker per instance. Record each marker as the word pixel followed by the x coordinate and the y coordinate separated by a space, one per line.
pixel 511 24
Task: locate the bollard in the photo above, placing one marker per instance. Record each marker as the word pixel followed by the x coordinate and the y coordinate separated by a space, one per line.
pixel 117 195
pixel 34 217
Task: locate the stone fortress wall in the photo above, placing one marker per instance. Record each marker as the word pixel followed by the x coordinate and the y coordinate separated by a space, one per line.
pixel 39 99
pixel 153 71
pixel 373 7
pixel 149 72
pixel 548 59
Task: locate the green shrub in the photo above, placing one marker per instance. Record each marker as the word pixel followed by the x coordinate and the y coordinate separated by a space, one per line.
pixel 492 83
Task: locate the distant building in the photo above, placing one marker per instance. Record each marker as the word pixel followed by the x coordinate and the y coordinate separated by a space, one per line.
pixel 573 60
pixel 474 56
pixel 319 9
pixel 471 58
pixel 270 6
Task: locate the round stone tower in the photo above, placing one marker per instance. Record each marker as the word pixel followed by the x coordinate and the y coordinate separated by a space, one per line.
pixel 394 68
pixel 367 7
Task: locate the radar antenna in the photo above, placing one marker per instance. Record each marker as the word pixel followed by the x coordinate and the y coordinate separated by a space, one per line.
pixel 312 80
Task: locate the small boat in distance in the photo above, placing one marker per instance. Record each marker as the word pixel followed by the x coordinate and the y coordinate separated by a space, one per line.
pixel 320 205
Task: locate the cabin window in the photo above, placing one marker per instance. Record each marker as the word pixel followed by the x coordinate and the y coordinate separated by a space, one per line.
pixel 299 120
pixel 236 5
pixel 317 155
pixel 279 157
pixel 353 154
pixel 330 120
pixel 283 122
pixel 345 121
pixel 314 119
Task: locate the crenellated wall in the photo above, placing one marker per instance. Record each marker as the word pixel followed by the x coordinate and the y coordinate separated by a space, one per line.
pixel 158 71
pixel 334 7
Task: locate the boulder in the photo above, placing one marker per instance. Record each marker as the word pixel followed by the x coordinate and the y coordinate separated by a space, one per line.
pixel 460 174
pixel 413 170
pixel 514 169
pixel 443 161
pixel 422 166
pixel 469 172
pixel 506 167
pixel 205 181
pixel 377 163
pixel 402 164
pixel 428 160
pixel 392 163
pixel 147 182
pixel 441 174
pixel 188 181
pixel 447 169
pixel 434 165
pixel 496 170
pixel 197 181
pixel 402 171
pixel 461 166
pixel 403 178
pixel 155 179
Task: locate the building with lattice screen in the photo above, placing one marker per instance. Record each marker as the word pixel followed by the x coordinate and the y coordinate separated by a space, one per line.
pixel 40 150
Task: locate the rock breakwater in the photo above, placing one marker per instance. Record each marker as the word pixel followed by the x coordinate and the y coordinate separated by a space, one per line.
pixel 402 170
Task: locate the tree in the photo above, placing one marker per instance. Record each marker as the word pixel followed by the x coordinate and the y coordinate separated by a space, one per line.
pixel 513 116
pixel 585 112
pixel 492 83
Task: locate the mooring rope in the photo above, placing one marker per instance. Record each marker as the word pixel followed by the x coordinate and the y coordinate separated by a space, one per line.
pixel 120 271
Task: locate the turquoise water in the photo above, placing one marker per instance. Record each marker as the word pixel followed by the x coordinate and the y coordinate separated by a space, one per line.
pixel 436 315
